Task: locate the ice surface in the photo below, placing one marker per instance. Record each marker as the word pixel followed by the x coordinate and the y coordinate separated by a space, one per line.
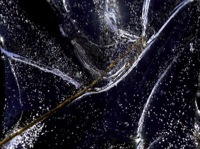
pixel 147 51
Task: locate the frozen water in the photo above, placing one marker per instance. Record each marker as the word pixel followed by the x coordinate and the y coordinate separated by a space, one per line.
pixel 146 50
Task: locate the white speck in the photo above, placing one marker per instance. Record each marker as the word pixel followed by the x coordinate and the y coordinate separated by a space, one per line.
pixel 191 47
pixel 1 40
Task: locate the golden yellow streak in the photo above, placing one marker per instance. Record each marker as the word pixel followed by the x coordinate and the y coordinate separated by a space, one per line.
pixel 72 98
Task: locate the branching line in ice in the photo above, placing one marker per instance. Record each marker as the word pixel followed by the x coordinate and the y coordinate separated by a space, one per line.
pixel 178 8
pixel 72 98
pixel 145 109
pixel 17 82
pixel 116 73
pixel 119 78
pixel 56 72
pixel 132 65
pixel 145 11
pixel 182 3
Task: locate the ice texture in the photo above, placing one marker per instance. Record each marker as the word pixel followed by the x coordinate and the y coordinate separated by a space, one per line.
pixel 148 98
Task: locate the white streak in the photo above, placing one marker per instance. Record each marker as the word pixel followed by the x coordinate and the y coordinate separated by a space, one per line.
pixel 145 109
pixel 118 73
pixel 197 109
pixel 176 10
pixel 17 82
pixel 56 72
pixel 145 11
pixel 1 40
pixel 65 6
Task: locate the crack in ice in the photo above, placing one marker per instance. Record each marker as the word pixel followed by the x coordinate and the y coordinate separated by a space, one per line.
pixel 146 106
pixel 56 72
pixel 175 12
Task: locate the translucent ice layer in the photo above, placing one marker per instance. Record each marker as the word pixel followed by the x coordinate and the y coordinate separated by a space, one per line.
pixel 143 56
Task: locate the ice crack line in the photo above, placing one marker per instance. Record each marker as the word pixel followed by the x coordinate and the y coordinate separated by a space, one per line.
pixel 56 72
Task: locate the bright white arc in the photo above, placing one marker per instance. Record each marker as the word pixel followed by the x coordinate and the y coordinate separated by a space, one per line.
pixel 141 120
pixel 56 72
pixel 176 10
